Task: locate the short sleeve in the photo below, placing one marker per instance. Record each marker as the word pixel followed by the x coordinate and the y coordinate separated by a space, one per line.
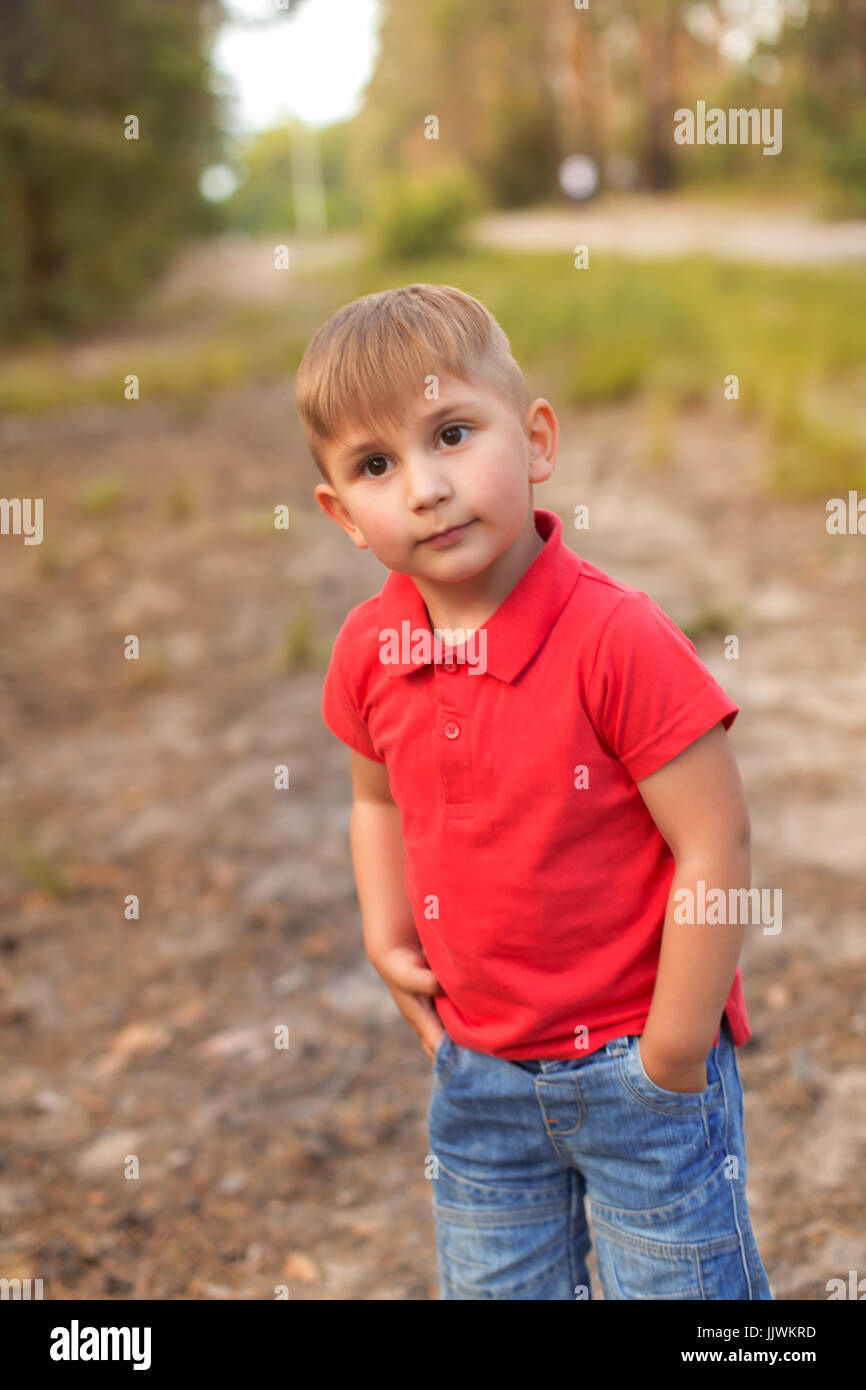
pixel 339 705
pixel 650 694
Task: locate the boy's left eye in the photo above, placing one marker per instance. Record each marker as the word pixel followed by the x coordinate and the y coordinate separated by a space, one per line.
pixel 448 429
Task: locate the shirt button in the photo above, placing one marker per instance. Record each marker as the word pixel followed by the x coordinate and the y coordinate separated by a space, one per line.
pixel 450 665
pixel 452 731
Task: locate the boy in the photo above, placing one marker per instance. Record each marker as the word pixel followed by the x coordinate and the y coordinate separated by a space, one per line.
pixel 539 763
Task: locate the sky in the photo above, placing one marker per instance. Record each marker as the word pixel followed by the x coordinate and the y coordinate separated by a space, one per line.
pixel 313 65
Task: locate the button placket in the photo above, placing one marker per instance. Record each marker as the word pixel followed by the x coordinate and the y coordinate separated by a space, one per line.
pixel 453 742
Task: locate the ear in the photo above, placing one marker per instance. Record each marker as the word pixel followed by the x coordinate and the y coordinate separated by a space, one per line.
pixel 542 433
pixel 334 508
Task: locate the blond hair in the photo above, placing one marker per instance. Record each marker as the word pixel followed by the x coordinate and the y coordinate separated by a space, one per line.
pixel 367 360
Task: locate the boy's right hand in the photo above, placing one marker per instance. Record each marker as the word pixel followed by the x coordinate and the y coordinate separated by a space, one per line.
pixel 411 982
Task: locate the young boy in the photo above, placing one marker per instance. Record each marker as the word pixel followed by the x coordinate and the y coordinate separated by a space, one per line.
pixel 540 765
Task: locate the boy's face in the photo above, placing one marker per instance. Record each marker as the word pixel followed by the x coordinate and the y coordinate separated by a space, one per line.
pixel 464 460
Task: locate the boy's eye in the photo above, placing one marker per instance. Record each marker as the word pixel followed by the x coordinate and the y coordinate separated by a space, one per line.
pixel 375 458
pixel 380 458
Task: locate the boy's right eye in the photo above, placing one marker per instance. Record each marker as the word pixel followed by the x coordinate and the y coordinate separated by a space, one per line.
pixel 374 458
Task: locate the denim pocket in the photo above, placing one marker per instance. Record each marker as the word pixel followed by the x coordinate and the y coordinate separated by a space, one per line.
pixel 441 1050
pixel 637 1080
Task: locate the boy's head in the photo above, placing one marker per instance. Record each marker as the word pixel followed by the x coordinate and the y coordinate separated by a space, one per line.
pixel 386 388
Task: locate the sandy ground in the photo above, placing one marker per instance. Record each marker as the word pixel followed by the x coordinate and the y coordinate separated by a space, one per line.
pixel 154 1038
pixel 665 225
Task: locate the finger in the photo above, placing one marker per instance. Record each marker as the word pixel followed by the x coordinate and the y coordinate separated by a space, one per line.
pixel 421 1015
pixel 431 1046
pixel 416 979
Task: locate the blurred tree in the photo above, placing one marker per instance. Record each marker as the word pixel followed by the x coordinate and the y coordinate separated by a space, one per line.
pixel 264 202
pixel 660 25
pixel 87 214
pixel 630 59
pixel 828 93
pixel 484 72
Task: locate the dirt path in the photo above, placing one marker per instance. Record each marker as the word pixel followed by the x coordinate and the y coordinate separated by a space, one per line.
pixel 240 268
pixel 680 225
pixel 155 1037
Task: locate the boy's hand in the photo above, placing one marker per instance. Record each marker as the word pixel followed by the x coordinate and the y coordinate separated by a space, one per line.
pixel 690 1076
pixel 411 981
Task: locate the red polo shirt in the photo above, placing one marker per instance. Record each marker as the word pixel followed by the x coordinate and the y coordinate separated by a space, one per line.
pixel 537 877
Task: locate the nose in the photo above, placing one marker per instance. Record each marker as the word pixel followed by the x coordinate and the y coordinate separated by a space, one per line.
pixel 426 480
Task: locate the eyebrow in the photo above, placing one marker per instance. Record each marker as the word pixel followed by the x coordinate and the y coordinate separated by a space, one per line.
pixel 427 421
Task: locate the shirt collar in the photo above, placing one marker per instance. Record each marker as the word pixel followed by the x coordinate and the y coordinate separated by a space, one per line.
pixel 521 622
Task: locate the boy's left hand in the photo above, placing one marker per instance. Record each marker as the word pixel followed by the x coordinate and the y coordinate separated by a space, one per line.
pixel 687 1077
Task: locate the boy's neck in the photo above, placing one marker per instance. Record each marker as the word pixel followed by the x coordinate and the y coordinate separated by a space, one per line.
pixel 468 605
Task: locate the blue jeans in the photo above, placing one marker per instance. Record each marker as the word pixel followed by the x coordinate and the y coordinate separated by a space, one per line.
pixel 517 1146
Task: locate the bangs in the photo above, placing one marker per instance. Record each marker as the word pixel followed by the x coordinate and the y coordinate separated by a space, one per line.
pixel 368 365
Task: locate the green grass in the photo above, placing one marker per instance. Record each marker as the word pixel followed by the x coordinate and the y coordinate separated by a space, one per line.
pixel 668 331
pixel 102 496
pixel 179 504
pixel 31 867
pixel 672 331
pixel 238 347
pixel 149 672
pixel 710 621
pixel 299 646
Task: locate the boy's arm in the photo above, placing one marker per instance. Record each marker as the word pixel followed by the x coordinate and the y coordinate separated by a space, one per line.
pixel 378 855
pixel 390 938
pixel 698 803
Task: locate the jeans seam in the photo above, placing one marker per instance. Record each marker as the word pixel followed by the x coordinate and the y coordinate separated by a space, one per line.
pixel 728 1146
pixel 571 1229
pixel 681 1249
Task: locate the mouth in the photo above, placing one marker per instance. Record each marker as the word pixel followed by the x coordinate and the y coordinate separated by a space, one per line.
pixel 445 537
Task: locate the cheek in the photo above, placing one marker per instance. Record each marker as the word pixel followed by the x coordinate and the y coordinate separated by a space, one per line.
pixel 381 532
pixel 501 475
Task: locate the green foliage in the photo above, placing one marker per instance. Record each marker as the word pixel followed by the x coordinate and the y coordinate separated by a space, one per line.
pixel 845 163
pixel 488 72
pixel 265 201
pixel 519 165
pixel 826 100
pixel 410 217
pixel 88 215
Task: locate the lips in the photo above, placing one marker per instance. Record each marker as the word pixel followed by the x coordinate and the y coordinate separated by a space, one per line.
pixel 438 535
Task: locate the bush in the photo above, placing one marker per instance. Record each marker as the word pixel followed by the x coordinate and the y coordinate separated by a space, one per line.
pixel 413 217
